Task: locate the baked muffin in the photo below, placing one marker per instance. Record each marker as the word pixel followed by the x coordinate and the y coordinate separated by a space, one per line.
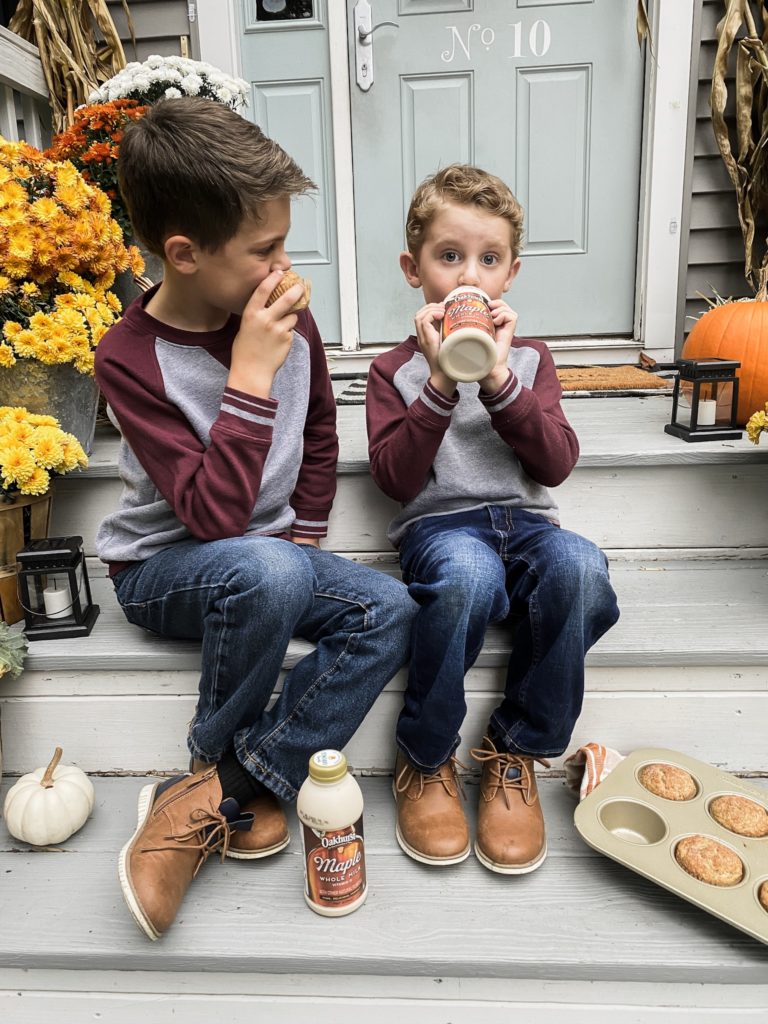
pixel 740 815
pixel 762 895
pixel 667 781
pixel 288 280
pixel 709 861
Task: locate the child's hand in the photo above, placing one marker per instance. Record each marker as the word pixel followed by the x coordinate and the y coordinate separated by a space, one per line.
pixel 505 321
pixel 427 322
pixel 264 339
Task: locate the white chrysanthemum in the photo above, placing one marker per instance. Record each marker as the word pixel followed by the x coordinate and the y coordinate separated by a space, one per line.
pixel 191 84
pixel 181 77
pixel 172 94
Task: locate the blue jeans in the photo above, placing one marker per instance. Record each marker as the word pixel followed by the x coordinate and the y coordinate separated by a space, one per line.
pixel 469 569
pixel 245 598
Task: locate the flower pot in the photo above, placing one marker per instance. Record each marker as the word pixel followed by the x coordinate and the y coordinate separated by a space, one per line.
pixel 53 390
pixel 24 519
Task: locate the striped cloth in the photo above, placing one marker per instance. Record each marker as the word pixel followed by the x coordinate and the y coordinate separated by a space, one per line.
pixel 588 767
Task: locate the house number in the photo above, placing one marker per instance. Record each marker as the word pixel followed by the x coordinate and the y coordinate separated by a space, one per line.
pixel 538 42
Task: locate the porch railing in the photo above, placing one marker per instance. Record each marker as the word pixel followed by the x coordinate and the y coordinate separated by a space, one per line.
pixel 24 109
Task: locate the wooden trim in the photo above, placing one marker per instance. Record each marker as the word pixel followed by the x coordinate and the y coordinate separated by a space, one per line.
pixel 20 65
pixel 218 29
pixel 663 184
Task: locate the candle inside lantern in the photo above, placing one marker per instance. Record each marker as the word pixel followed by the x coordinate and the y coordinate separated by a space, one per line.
pixel 707 412
pixel 58 603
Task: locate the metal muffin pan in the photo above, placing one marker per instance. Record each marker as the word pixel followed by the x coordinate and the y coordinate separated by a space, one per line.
pixel 625 821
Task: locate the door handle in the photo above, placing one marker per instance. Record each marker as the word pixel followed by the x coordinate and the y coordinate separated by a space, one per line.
pixel 364 43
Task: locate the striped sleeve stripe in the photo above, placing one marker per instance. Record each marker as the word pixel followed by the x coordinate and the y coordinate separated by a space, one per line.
pixel 309 527
pixel 238 402
pixel 501 399
pixel 437 401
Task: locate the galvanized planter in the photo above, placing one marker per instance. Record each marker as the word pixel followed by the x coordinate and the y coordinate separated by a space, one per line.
pixel 57 390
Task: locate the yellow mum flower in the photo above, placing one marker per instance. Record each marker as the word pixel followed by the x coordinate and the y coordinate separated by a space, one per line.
pixel 113 302
pixel 5 284
pixel 39 419
pixel 7 357
pixel 44 210
pixel 19 242
pixel 756 424
pixel 26 344
pixel 46 447
pixel 19 432
pixel 17 464
pixel 29 288
pixel 12 194
pixel 11 215
pixel 11 329
pixel 15 268
pixel 13 413
pixel 73 456
pixel 71 197
pixel 37 483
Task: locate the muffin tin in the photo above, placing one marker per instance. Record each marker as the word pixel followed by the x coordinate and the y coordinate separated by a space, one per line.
pixel 626 822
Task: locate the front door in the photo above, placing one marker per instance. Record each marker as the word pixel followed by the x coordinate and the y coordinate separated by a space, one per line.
pixel 546 94
pixel 285 57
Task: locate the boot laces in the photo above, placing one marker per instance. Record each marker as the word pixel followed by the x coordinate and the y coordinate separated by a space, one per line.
pixel 406 776
pixel 211 828
pixel 498 764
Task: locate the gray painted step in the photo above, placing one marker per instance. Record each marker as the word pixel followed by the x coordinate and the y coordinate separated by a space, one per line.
pixel 634 486
pixel 684 612
pixel 579 917
pixel 685 667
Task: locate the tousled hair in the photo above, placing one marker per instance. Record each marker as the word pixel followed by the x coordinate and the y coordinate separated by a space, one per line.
pixel 467 186
pixel 194 167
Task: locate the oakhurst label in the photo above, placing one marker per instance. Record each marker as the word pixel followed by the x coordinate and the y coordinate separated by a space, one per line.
pixel 334 865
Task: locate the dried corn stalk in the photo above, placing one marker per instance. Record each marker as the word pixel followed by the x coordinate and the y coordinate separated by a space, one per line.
pixel 742 32
pixel 74 61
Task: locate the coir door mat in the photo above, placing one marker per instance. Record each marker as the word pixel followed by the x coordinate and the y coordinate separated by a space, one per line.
pixel 611 378
pixel 584 379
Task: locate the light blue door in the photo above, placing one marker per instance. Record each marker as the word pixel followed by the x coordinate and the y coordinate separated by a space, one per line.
pixel 547 94
pixel 284 47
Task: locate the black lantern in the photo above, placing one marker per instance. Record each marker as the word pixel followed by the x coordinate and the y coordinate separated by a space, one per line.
pixel 54 589
pixel 705 399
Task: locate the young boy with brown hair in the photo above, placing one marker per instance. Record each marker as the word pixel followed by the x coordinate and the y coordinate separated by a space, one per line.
pixel 478 537
pixel 228 461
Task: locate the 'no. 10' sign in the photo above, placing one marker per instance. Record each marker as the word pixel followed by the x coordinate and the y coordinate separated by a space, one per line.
pixel 538 42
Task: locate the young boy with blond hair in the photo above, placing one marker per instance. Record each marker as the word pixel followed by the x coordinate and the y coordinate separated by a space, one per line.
pixel 479 538
pixel 228 462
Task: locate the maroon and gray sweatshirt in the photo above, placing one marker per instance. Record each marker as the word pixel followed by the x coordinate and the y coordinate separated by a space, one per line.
pixel 199 459
pixel 437 455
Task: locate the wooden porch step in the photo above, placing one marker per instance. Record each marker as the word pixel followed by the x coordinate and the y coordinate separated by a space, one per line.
pixel 686 667
pixel 634 485
pixel 579 918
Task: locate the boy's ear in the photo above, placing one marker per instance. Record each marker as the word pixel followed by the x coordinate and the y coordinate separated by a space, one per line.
pixel 410 268
pixel 181 253
pixel 513 272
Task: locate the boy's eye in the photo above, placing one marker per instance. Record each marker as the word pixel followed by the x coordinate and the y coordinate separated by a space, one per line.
pixel 451 256
pixel 490 259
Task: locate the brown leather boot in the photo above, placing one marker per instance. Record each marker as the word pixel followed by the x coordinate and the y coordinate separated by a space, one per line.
pixel 510 825
pixel 431 826
pixel 181 822
pixel 269 832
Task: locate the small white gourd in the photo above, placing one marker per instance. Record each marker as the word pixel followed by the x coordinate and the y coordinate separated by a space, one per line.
pixel 49 804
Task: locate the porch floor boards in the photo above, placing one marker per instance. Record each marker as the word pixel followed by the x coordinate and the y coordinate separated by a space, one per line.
pixel 579 917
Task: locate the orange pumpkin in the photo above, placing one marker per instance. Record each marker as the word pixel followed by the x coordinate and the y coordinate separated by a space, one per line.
pixel 736 330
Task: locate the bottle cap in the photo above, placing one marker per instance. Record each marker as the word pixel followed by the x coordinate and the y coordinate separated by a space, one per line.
pixel 327 766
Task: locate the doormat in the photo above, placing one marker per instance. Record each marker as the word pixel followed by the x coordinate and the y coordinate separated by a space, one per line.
pixel 583 379
pixel 611 378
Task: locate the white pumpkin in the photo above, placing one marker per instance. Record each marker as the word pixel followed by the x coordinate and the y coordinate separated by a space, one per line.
pixel 50 804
